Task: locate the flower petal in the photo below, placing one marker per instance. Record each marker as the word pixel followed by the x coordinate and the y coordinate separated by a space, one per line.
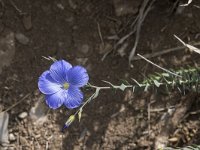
pixel 77 76
pixel 55 100
pixel 59 69
pixel 73 98
pixel 47 85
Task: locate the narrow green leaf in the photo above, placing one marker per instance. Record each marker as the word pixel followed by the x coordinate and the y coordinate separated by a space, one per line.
pixel 96 93
pixel 122 87
pixel 136 82
pixel 133 89
pixel 165 74
pixel 109 83
pixel 156 83
pixel 146 87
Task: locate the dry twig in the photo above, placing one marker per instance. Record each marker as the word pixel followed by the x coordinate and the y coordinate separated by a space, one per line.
pixel 158 66
pixel 188 3
pixel 16 8
pixel 166 51
pixel 100 35
pixel 190 47
pixel 196 6
pixel 137 23
pixel 142 14
pixel 17 103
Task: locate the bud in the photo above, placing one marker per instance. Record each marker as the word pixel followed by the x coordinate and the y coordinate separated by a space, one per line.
pixel 68 122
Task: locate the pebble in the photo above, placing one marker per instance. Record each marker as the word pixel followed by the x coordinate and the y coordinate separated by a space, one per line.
pixel 23 140
pixel 23 115
pixel 124 7
pixel 21 38
pixel 81 61
pixel 27 22
pixel 122 50
pixel 38 113
pixel 85 48
pixel 7 49
pixel 60 6
pixel 11 148
pixel 12 137
pixel 72 4
pixel 4 119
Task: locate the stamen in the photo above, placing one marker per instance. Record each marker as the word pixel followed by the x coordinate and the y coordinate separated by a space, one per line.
pixel 66 85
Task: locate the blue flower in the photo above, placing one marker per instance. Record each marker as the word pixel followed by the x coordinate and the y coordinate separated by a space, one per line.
pixel 61 84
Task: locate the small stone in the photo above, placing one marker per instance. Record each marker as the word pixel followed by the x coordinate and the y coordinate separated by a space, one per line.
pixel 85 48
pixel 23 115
pixel 122 49
pixel 38 113
pixel 46 8
pixel 124 7
pixel 7 49
pixel 11 148
pixel 4 118
pixel 27 22
pixel 81 61
pixel 72 4
pixel 60 6
pixel 75 27
pixel 70 19
pixel 12 137
pixel 21 38
pixel 173 139
pixel 23 140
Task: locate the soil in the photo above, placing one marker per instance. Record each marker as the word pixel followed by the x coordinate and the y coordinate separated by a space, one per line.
pixel 72 30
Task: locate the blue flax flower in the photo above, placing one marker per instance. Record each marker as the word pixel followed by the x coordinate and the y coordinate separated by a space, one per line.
pixel 61 84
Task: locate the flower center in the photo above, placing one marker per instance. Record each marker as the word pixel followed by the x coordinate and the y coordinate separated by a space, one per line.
pixel 66 85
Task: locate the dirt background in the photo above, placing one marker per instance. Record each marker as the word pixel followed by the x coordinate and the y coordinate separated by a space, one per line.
pixel 72 30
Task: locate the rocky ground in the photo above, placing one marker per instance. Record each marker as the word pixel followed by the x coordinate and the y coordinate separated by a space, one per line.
pixel 91 33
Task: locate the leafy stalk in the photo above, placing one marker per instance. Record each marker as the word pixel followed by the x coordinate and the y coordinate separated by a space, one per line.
pixel 185 79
